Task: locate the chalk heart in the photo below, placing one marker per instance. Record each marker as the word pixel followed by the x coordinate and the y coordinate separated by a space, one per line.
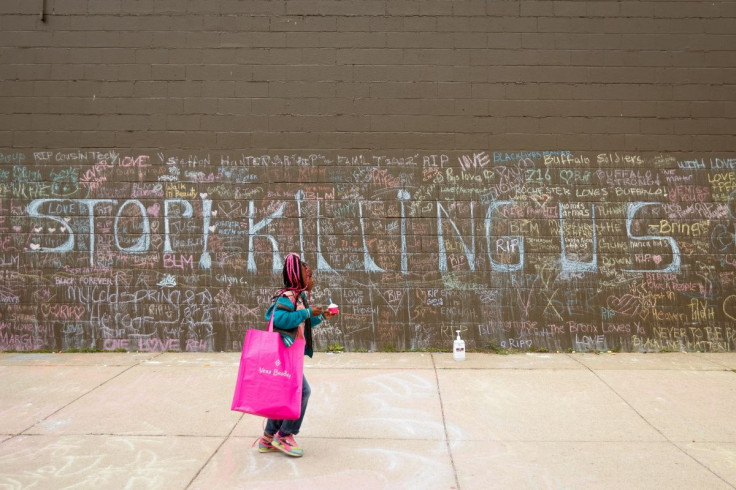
pixel 17 228
pixel 626 304
pixel 643 313
pixel 37 229
pixel 566 175
pixel 214 213
pixel 212 228
pixel 657 259
pixel 51 230
pixel 42 295
pixel 34 246
pixel 67 219
pixel 541 200
pixel 154 209
pixel 729 307
pixel 203 195
pixel 59 309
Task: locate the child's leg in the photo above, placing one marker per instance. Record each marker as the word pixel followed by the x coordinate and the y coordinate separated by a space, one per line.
pixel 292 427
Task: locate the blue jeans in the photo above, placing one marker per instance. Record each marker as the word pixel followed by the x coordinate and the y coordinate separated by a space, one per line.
pixel 291 426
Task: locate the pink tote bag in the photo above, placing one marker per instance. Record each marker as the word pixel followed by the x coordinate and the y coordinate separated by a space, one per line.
pixel 269 376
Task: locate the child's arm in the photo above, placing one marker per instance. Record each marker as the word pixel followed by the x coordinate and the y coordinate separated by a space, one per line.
pixel 285 317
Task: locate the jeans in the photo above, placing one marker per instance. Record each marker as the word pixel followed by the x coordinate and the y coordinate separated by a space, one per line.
pixel 291 426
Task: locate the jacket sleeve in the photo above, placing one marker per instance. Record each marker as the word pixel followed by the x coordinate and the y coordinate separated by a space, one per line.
pixel 285 317
pixel 316 320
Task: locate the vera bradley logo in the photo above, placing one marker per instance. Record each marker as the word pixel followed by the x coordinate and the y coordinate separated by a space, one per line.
pixel 275 371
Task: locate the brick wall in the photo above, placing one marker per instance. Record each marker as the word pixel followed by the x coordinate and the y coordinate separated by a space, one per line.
pixel 539 175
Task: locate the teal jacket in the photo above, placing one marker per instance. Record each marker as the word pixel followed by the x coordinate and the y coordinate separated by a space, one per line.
pixel 288 318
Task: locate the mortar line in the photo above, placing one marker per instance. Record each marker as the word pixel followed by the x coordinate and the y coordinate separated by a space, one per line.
pixel 444 425
pixel 670 441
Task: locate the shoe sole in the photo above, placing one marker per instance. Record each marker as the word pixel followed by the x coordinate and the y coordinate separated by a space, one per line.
pixel 288 453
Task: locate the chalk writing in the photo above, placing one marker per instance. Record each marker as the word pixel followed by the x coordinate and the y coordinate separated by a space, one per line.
pixel 553 250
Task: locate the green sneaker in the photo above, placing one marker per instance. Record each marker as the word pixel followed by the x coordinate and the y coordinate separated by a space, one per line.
pixel 265 447
pixel 287 444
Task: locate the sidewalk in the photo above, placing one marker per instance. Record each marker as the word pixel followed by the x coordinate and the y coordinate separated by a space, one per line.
pixel 375 421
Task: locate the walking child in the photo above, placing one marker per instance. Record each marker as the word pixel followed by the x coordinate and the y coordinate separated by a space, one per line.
pixel 293 318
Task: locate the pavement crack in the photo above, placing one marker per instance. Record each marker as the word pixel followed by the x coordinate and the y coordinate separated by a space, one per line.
pixel 214 453
pixel 23 432
pixel 643 418
pixel 444 425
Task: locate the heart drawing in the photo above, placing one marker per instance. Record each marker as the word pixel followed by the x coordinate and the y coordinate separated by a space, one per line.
pixel 729 307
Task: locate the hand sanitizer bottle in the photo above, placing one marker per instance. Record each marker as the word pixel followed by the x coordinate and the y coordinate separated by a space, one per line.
pixel 458 348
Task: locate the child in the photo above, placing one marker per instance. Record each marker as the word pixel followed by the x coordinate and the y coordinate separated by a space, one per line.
pixel 293 318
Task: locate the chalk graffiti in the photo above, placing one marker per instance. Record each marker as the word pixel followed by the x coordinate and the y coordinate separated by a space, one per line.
pixel 528 250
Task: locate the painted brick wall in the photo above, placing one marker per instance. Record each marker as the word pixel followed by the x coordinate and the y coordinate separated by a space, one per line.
pixel 539 175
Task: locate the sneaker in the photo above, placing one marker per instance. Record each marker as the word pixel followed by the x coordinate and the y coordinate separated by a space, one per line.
pixel 265 447
pixel 287 444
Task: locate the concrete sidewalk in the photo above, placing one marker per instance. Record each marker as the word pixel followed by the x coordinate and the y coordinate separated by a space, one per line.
pixel 409 420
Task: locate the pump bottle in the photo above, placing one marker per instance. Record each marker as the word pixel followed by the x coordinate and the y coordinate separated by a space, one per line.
pixel 458 348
